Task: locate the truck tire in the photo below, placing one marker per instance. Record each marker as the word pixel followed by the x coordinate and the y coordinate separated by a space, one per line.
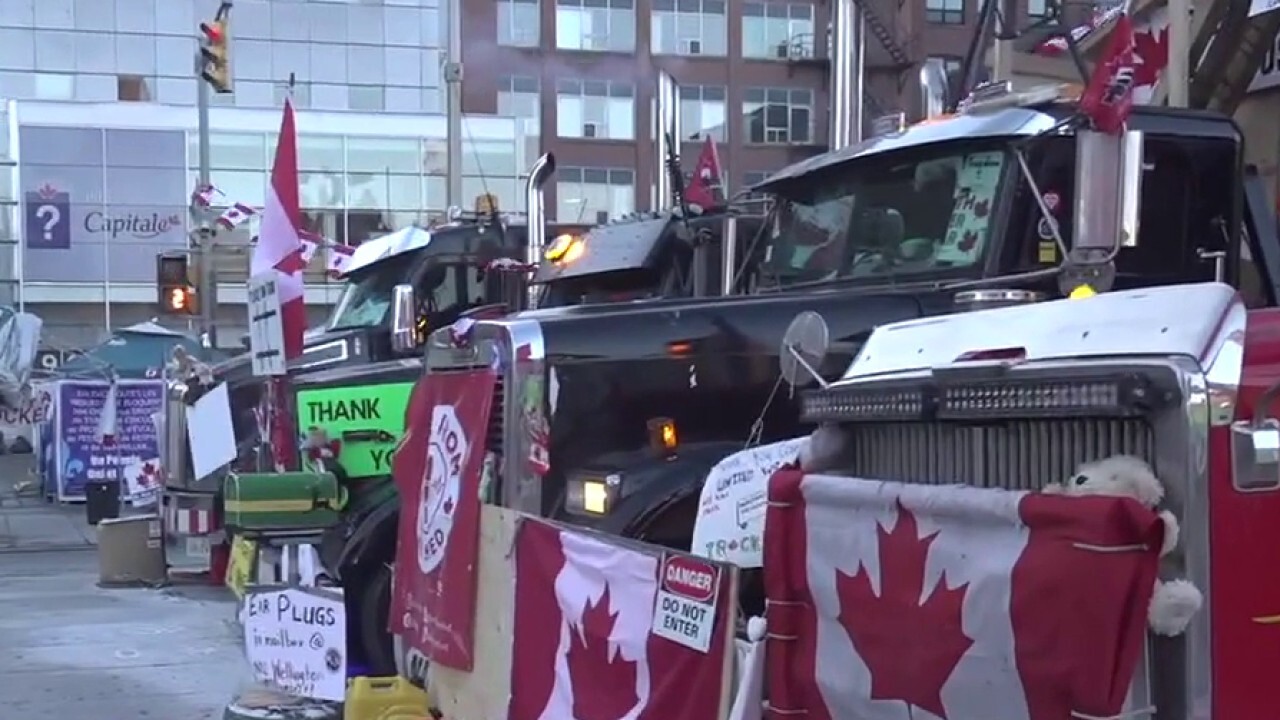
pixel 374 605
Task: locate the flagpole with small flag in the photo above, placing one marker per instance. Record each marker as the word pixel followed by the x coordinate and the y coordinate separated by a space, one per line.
pixel 280 249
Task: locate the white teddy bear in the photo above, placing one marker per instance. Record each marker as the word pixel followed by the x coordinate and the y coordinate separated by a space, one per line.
pixel 1174 602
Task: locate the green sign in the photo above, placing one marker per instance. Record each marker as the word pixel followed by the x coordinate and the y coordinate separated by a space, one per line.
pixel 357 415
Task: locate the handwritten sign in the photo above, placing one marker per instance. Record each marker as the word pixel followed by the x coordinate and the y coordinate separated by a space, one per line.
pixel 685 609
pixel 266 326
pixel 35 410
pixel 296 641
pixel 730 521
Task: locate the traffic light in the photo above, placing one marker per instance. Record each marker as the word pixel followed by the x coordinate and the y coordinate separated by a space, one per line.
pixel 175 293
pixel 215 50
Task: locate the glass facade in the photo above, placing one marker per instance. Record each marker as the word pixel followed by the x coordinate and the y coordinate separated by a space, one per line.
pixel 121 195
pixel 344 56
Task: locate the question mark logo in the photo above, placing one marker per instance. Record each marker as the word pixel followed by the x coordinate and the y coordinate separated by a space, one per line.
pixel 51 215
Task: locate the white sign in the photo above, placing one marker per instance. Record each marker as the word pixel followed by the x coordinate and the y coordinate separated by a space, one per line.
pixel 685 609
pixel 209 432
pixel 442 484
pixel 296 641
pixel 730 522
pixel 33 411
pixel 266 326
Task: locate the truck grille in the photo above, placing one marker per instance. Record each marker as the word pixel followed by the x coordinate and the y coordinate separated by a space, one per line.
pixel 1014 454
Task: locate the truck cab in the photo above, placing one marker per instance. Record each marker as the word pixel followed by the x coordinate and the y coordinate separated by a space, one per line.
pixel 960 213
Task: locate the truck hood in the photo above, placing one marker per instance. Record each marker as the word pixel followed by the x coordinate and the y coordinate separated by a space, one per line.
pixel 325 350
pixel 737 325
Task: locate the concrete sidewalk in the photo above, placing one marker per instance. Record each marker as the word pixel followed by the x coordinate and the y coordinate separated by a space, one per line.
pixel 28 522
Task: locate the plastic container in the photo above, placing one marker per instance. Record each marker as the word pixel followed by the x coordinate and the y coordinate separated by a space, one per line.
pixel 384 698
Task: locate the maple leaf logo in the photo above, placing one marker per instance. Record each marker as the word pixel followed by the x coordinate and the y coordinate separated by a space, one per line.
pixel 603 682
pixel 981 208
pixel 968 241
pixel 1153 49
pixel 47 191
pixel 910 647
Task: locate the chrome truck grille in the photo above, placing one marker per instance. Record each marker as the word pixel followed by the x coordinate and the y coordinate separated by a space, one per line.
pixel 493 437
pixel 1013 454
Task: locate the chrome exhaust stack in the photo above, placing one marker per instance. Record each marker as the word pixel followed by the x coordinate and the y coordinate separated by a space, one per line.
pixel 666 141
pixel 848 31
pixel 933 88
pixel 536 215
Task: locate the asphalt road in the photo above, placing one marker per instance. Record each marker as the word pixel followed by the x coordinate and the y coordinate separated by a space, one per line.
pixel 73 650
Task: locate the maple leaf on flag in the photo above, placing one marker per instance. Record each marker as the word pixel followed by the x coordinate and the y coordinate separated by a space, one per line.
pixel 910 647
pixel 1152 48
pixel 603 682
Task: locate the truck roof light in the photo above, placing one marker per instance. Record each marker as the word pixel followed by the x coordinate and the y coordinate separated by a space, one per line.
pixel 565 249
pixel 1010 354
pixel 662 436
pixel 1081 292
pixel 998 96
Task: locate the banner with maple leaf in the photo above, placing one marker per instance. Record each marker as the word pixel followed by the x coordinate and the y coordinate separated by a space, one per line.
pixel 583 647
pixel 917 601
pixel 437 468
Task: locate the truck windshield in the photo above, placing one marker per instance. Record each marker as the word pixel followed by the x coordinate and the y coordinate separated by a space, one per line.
pixel 887 218
pixel 367 296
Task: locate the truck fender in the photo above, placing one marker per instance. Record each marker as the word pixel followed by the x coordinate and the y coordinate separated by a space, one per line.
pixel 372 538
pixel 666 483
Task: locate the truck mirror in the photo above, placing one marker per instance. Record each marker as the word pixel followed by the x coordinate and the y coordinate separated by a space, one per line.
pixel 1255 448
pixel 403 316
pixel 804 346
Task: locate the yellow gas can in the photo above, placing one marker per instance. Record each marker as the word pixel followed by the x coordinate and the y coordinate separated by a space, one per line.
pixel 384 698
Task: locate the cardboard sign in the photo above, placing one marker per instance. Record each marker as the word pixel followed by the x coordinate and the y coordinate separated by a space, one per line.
pixel 296 641
pixel 266 326
pixel 685 610
pixel 730 521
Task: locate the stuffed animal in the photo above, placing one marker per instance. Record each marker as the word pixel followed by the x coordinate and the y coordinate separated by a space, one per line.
pixel 827 448
pixel 1174 602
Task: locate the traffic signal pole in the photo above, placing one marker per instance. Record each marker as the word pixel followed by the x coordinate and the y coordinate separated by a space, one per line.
pixel 206 284
pixel 212 65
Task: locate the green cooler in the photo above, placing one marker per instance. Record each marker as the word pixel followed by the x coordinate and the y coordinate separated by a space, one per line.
pixel 291 502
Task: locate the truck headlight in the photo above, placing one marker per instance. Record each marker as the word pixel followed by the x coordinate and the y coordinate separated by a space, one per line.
pixel 589 495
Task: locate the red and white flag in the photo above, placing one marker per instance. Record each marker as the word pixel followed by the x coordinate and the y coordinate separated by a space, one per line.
pixel 279 250
pixel 1108 98
pixel 437 468
pixel 583 647
pixel 339 259
pixel 236 215
pixel 107 418
pixel 706 189
pixel 920 602
pixel 203 195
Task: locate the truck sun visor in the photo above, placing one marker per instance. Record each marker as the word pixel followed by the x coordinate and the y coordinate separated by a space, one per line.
pixel 19 338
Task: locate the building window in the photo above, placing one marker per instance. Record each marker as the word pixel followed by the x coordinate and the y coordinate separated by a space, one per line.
pixel 518 23
pixel 751 179
pixel 777 31
pixel 596 25
pixel 702 112
pixel 132 88
pixel 601 109
pixel 594 195
pixel 1037 9
pixel 947 12
pixel 520 97
pixel 778 116
pixel 689 27
pixel 953 67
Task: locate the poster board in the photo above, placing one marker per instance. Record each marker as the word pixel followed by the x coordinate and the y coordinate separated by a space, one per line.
pixel 79 458
pixel 296 640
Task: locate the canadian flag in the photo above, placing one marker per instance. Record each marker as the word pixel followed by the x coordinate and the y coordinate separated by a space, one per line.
pixel 236 215
pixel 339 259
pixel 705 189
pixel 107 418
pixel 582 644
pixel 924 602
pixel 279 249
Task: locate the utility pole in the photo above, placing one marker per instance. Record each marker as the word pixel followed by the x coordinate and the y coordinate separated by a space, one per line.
pixel 453 80
pixel 1002 60
pixel 212 68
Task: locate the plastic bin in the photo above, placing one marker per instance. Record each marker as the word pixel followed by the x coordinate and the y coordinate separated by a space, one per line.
pixel 101 501
pixel 384 698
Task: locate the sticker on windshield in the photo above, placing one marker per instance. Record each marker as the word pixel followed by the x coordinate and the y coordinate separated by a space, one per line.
pixel 975 192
